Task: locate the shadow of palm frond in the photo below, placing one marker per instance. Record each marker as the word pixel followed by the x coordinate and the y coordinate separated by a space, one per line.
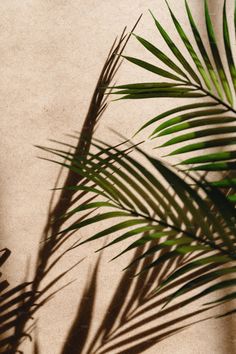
pixel 135 319
pixel 53 242
pixel 135 305
pixel 12 303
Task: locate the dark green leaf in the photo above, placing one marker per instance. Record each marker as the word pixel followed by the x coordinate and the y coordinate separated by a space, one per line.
pixel 228 49
pixel 191 50
pixel 176 51
pixel 203 52
pixel 216 55
pixel 154 69
pixel 176 110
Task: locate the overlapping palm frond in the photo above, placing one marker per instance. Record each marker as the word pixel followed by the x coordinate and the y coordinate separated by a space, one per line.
pixel 183 215
pixel 206 123
pixel 181 227
pixel 13 302
pixel 133 305
pixel 135 318
pixel 52 247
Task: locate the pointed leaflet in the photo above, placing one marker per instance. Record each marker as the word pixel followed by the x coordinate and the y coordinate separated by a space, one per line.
pixel 87 206
pixel 195 123
pixel 176 93
pixel 187 116
pixel 203 280
pixel 200 134
pixel 115 228
pixel 4 255
pixel 227 182
pixel 176 51
pixel 216 260
pixel 160 55
pixel 134 232
pixel 177 110
pixel 225 298
pixel 203 52
pixel 147 85
pixel 95 219
pixel 216 55
pixel 204 145
pixel 156 236
pixel 228 47
pixel 170 254
pixel 154 69
pixel 219 286
pixel 217 166
pixel 175 88
pixel 191 50
pixel 218 156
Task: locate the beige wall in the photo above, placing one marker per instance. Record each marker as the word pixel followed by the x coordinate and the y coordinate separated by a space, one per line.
pixel 51 55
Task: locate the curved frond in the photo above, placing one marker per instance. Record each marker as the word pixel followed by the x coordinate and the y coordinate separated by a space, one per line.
pixel 13 302
pixel 205 81
pixel 152 200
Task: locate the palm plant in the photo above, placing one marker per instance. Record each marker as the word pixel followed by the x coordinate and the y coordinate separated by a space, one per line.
pixel 17 315
pixel 212 115
pixel 152 200
pixel 179 223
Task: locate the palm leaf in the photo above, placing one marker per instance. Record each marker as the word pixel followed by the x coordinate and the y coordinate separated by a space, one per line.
pixel 13 302
pixel 217 114
pixel 131 308
pixel 52 248
pixel 208 232
pixel 191 50
pixel 203 51
pixel 216 55
pixel 228 47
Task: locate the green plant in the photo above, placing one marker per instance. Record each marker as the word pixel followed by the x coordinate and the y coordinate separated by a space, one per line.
pixel 21 303
pixel 152 199
pixel 212 86
pixel 180 223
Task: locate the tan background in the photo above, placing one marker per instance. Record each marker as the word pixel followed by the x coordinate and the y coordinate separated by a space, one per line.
pixel 51 55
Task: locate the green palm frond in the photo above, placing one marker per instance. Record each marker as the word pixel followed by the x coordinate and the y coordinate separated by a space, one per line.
pixel 209 121
pixel 139 199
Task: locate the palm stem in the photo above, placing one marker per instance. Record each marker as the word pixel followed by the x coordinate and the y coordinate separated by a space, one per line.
pixel 185 232
pixel 208 93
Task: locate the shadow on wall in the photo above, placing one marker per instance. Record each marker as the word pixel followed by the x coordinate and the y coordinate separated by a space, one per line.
pixel 215 9
pixel 135 319
pixel 124 326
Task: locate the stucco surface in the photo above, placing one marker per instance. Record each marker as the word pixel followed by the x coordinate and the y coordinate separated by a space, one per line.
pixel 51 54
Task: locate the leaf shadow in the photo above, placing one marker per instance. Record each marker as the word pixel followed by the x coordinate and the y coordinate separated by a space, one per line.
pixel 53 246
pixel 125 327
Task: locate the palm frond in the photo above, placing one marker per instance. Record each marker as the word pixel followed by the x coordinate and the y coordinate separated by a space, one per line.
pixel 205 82
pixel 143 199
pixel 13 302
pixel 53 247
pixel 133 306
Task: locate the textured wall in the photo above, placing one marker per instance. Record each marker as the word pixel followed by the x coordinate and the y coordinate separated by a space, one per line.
pixel 51 55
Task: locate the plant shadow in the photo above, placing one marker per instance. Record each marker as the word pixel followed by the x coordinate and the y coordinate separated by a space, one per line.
pixel 135 319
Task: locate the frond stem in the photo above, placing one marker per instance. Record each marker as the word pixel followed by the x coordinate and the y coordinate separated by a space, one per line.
pixel 208 93
pixel 187 233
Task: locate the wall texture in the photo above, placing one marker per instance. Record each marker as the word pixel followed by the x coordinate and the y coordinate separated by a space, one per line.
pixel 51 54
